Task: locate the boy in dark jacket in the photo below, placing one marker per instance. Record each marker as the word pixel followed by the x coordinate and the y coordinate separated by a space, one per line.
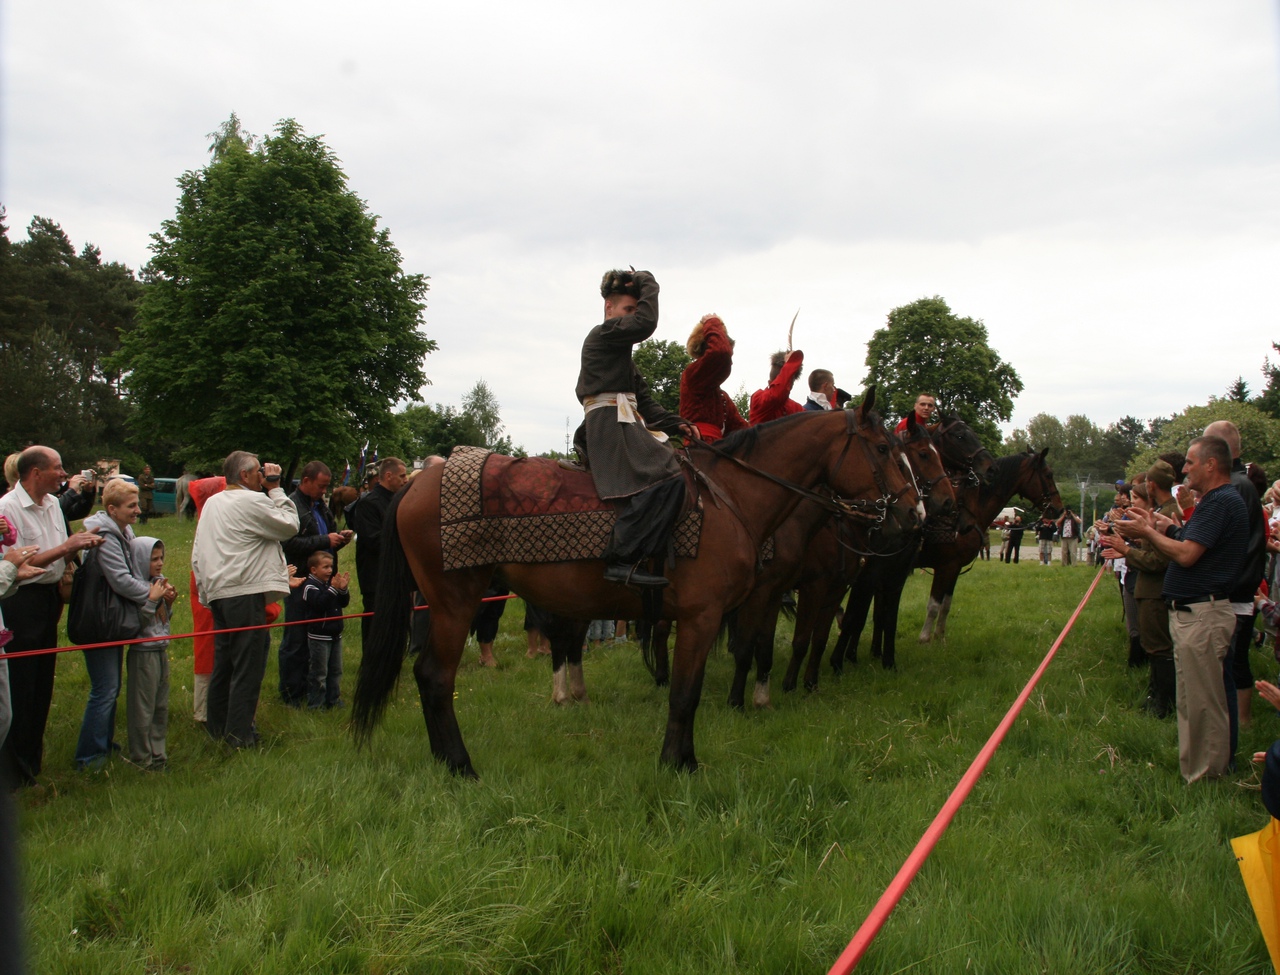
pixel 324 596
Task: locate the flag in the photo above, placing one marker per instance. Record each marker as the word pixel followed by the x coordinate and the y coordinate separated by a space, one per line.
pixel 373 464
pixel 360 475
pixel 1259 857
pixel 346 474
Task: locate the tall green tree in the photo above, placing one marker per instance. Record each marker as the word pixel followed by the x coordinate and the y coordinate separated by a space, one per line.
pixel 1238 391
pixel 480 407
pixel 429 430
pixel 61 315
pixel 1269 399
pixel 661 361
pixel 278 317
pixel 924 347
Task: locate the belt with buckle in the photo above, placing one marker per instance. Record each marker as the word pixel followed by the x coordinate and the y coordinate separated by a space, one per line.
pixel 1188 603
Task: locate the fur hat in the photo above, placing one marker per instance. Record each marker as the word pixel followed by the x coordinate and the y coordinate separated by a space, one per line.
pixel 619 283
pixel 697 343
pixel 1161 475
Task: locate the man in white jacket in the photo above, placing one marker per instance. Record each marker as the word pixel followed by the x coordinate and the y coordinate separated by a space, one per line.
pixel 240 568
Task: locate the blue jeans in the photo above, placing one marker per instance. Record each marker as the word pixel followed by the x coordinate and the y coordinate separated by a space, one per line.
pixel 324 679
pixel 98 727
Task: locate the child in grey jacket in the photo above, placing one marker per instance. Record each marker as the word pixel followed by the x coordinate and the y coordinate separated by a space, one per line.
pixel 148 663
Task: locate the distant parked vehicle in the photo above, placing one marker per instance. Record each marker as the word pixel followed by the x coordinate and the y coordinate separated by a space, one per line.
pixel 165 494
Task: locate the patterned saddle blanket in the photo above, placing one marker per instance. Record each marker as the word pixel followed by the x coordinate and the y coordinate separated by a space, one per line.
pixel 495 508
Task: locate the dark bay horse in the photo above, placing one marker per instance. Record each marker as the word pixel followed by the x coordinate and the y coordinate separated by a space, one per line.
pixel 1026 474
pixel 964 461
pixel 755 479
pixel 809 548
pixel 980 501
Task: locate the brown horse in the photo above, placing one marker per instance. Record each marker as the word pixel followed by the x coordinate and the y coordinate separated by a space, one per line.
pixel 340 498
pixel 1026 474
pixel 980 501
pixel 757 477
pixel 809 547
pixel 964 460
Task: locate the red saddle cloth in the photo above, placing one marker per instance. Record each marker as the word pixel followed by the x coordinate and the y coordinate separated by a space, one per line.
pixel 512 487
pixel 496 509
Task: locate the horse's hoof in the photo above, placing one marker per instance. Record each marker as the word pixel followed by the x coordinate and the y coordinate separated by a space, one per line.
pixel 788 686
pixel 577 686
pixel 689 764
pixel 761 697
pixel 463 771
pixel 811 686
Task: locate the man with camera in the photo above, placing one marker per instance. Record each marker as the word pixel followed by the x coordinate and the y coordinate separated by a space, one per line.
pixel 317 532
pixel 240 568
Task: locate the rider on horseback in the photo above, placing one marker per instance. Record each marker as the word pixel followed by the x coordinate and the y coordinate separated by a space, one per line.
pixel 622 438
pixel 926 410
pixel 702 401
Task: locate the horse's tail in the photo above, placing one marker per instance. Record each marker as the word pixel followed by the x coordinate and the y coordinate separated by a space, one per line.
pixel 383 655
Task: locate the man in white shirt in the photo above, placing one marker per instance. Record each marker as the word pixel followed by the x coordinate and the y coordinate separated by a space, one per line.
pixel 33 611
pixel 240 568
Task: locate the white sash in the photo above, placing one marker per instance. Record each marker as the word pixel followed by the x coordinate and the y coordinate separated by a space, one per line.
pixel 626 406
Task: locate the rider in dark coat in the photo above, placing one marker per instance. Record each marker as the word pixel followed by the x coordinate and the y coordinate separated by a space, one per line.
pixel 631 464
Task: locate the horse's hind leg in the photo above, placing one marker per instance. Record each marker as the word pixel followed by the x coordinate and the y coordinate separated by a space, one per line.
pixel 936 592
pixel 566 636
pixel 741 646
pixel 436 671
pixel 943 612
pixel 854 622
pixel 693 643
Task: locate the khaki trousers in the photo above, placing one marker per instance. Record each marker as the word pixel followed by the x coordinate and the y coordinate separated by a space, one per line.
pixel 1202 636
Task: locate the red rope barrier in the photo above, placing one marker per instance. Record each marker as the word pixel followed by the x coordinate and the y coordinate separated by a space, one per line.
pixel 187 636
pixel 893 893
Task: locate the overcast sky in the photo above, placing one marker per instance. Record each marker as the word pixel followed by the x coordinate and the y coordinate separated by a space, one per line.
pixel 1097 181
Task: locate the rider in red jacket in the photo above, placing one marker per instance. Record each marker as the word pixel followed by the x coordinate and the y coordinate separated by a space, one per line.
pixel 775 400
pixel 702 401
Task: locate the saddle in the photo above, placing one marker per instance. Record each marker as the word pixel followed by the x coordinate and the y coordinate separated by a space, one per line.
pixel 495 508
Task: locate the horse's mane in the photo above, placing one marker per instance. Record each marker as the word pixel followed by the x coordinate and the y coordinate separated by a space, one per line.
pixel 1006 475
pixel 744 442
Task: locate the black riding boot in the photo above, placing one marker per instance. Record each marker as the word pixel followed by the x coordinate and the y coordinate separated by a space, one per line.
pixel 1137 656
pixel 1162 688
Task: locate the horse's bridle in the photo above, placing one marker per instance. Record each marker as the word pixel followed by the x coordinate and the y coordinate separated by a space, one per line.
pixel 875 511
pixel 965 466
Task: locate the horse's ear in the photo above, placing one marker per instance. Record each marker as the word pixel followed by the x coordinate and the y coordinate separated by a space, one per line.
pixel 869 399
pixel 911 421
pixel 1043 454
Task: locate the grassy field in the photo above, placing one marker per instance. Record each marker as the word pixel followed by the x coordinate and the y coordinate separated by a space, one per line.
pixel 1081 850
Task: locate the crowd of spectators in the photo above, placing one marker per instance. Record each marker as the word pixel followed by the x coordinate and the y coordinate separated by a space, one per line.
pixel 254 547
pixel 1193 549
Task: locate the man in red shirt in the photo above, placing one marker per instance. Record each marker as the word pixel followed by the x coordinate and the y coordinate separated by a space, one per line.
pixel 926 407
pixel 702 401
pixel 774 400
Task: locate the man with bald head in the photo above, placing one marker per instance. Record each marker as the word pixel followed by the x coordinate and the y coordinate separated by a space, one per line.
pixel 1205 556
pixel 1238 676
pixel 33 611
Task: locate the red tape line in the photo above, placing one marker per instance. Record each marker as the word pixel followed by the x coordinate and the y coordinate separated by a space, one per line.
pixel 893 893
pixel 185 636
